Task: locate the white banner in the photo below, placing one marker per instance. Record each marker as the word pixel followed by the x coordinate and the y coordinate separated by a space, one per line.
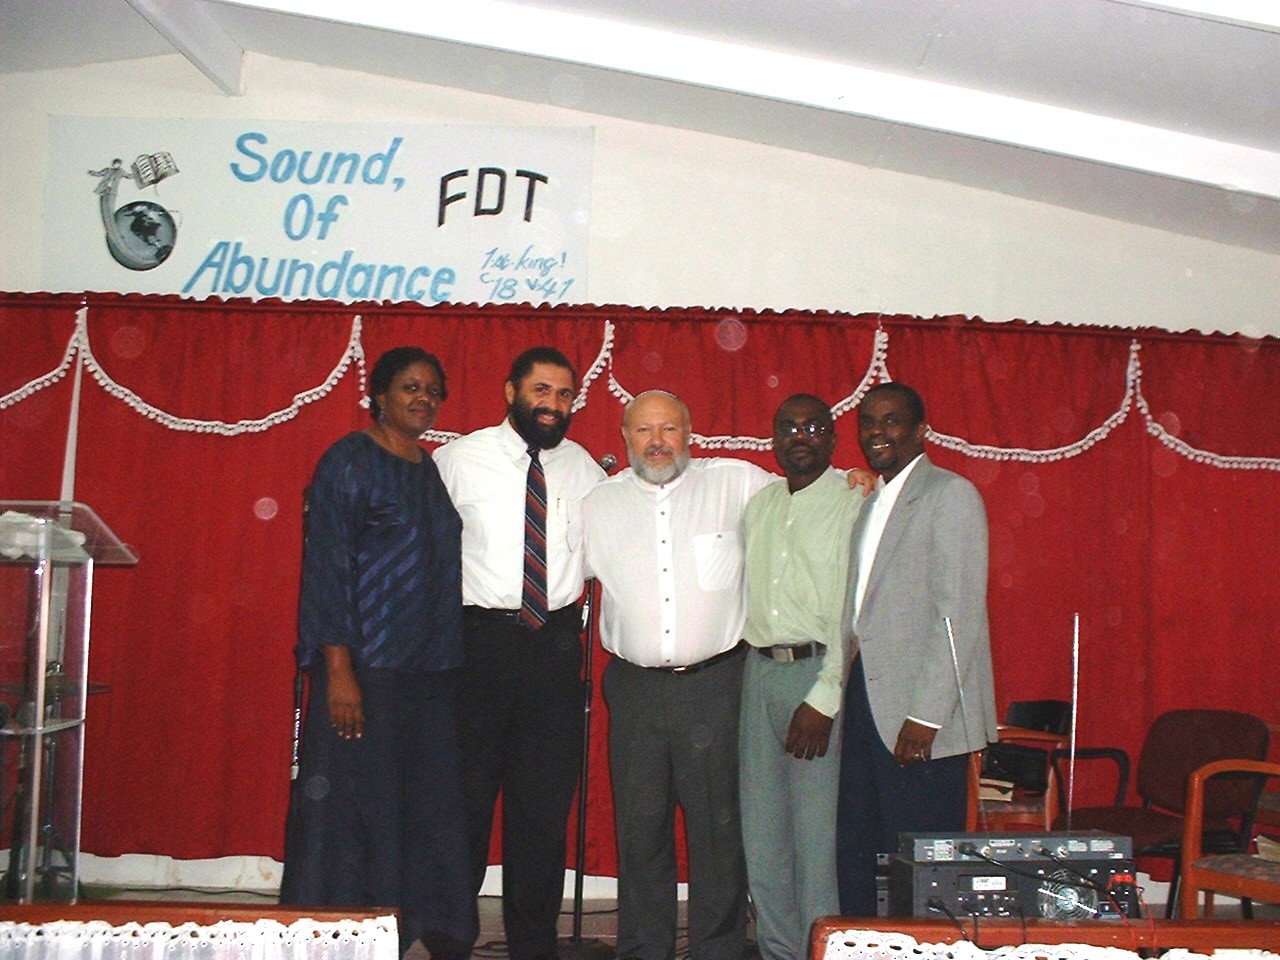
pixel 318 210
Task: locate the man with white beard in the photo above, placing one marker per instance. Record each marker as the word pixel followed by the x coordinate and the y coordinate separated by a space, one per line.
pixel 665 541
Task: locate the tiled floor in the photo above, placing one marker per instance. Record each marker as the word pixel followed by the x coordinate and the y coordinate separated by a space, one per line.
pixel 597 935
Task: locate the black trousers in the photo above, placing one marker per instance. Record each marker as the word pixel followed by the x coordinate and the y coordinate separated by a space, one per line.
pixel 520 709
pixel 880 799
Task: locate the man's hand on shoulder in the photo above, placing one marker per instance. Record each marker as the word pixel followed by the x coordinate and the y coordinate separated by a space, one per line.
pixel 859 477
pixel 809 733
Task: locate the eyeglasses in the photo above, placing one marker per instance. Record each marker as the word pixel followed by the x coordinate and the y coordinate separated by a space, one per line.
pixel 811 429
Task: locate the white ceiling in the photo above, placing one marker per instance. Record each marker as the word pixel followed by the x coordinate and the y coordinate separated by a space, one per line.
pixel 1160 114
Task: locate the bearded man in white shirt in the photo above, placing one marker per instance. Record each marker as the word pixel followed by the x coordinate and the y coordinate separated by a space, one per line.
pixel 521 693
pixel 665 540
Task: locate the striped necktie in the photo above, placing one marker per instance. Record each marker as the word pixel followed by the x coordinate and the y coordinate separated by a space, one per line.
pixel 533 602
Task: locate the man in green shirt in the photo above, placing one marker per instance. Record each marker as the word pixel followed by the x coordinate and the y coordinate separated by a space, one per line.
pixel 797 562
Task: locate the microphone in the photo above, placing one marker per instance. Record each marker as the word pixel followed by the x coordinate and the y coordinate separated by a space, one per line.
pixel 607 462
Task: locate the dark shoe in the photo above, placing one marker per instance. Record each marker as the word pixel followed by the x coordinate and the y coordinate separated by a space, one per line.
pixel 441 946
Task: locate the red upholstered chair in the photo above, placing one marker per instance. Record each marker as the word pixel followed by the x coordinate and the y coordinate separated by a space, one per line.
pixel 1235 874
pixel 1178 743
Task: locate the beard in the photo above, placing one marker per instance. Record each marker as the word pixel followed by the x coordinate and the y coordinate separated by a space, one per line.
pixel 658 475
pixel 543 436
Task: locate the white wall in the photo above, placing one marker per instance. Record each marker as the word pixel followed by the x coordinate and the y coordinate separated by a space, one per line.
pixel 687 219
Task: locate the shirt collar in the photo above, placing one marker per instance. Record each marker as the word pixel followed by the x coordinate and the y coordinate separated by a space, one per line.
pixel 894 487
pixel 660 491
pixel 516 446
pixel 819 482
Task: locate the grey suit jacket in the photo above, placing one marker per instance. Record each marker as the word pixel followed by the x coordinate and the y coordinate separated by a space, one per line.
pixel 931 564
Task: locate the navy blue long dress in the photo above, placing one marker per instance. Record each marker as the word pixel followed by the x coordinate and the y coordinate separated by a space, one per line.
pixel 379 821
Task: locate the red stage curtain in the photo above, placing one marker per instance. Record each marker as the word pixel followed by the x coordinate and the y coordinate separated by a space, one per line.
pixel 1164 558
pixel 36 333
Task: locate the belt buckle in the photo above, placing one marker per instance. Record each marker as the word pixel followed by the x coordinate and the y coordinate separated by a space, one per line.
pixel 682 669
pixel 792 653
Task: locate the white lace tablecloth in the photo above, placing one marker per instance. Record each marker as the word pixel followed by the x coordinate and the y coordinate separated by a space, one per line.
pixel 228 940
pixel 886 945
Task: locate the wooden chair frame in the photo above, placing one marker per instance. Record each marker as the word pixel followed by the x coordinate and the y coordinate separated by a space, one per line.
pixel 1021 813
pixel 1237 874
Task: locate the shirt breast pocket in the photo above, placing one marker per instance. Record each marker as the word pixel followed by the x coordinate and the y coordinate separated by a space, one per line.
pixel 564 524
pixel 718 557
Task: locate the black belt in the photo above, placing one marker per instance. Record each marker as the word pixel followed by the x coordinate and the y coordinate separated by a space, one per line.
pixel 785 653
pixel 702 664
pixel 512 617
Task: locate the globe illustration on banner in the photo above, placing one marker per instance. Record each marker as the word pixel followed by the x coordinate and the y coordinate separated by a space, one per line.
pixel 145 231
pixel 141 234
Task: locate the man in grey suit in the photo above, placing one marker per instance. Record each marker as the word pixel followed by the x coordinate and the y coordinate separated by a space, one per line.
pixel 920 695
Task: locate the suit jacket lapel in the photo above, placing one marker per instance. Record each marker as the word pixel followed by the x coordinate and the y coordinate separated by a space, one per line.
pixel 894 528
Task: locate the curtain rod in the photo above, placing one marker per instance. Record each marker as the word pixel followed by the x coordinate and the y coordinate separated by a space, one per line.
pixel 869 319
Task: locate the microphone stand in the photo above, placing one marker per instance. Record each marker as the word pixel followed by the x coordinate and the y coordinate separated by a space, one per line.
pixel 574 947
pixel 299 676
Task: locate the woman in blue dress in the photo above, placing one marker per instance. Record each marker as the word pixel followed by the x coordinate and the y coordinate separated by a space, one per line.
pixel 376 818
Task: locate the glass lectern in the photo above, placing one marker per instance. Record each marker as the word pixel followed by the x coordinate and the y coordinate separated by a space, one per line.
pixel 48 550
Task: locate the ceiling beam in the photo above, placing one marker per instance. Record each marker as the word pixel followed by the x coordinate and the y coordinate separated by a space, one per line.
pixel 511 26
pixel 199 38
pixel 1254 14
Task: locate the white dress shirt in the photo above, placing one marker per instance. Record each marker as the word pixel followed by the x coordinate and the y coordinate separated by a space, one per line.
pixel 485 473
pixel 669 559
pixel 873 529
